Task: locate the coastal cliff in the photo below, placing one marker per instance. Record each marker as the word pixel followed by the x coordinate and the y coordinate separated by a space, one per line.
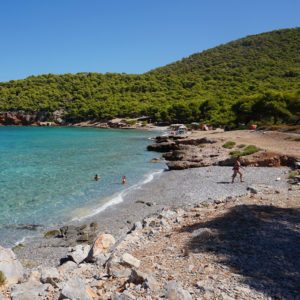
pixel 39 118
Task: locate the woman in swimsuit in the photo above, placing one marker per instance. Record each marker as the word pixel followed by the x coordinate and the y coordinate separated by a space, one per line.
pixel 236 170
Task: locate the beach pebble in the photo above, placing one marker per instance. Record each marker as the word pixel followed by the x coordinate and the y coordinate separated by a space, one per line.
pixel 138 226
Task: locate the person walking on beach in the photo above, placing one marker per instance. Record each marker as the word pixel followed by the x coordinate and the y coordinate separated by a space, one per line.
pixel 123 179
pixel 236 170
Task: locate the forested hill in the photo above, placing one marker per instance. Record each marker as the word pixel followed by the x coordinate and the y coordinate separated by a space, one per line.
pixel 276 51
pixel 252 79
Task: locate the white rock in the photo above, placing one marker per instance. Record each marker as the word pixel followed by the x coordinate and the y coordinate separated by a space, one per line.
pixel 130 260
pixel 50 275
pixel 168 214
pixel 138 225
pixel 67 266
pixel 79 253
pixel 146 280
pixel 74 289
pixel 203 234
pixel 180 212
pixel 31 290
pixel 174 291
pixel 10 266
pixel 115 269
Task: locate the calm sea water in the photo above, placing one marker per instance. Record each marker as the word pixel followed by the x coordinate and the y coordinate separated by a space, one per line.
pixel 46 174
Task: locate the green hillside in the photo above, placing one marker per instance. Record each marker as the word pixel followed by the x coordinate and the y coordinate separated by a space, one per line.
pixel 251 79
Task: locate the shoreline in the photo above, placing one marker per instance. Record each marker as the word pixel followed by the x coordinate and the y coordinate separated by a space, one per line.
pixel 168 190
pixel 113 200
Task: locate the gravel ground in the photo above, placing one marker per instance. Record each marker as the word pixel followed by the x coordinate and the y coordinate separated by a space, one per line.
pixel 169 189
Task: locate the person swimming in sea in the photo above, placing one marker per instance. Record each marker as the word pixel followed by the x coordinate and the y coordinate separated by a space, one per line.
pixel 96 178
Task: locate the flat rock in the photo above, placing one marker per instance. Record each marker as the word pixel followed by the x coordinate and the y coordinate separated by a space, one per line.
pixel 130 260
pixel 31 290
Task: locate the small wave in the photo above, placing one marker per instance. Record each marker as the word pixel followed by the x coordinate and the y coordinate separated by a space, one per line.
pixel 120 196
pixel 24 239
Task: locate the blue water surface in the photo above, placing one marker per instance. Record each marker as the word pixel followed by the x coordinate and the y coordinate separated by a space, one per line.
pixel 46 174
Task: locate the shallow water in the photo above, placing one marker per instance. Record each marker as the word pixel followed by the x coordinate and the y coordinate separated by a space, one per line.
pixel 46 174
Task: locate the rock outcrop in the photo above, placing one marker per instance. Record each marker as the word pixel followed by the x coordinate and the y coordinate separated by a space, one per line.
pixel 40 118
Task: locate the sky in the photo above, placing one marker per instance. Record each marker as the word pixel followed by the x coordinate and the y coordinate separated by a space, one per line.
pixel 125 36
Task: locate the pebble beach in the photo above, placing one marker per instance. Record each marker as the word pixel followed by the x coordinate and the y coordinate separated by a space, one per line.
pixel 168 189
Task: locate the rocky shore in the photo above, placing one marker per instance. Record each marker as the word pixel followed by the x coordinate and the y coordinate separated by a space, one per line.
pixel 231 247
pixel 193 152
pixel 147 247
pixel 59 118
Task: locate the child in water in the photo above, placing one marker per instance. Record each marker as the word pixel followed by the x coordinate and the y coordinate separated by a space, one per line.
pixel 123 179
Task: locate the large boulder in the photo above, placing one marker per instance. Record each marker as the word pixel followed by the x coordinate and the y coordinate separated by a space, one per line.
pixel 74 289
pixel 79 253
pixel 10 266
pixel 31 290
pixel 102 245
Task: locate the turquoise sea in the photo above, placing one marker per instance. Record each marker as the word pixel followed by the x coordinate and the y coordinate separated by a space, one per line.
pixel 46 174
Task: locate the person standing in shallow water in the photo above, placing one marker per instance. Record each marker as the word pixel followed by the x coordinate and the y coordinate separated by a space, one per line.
pixel 123 179
pixel 96 177
pixel 236 170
